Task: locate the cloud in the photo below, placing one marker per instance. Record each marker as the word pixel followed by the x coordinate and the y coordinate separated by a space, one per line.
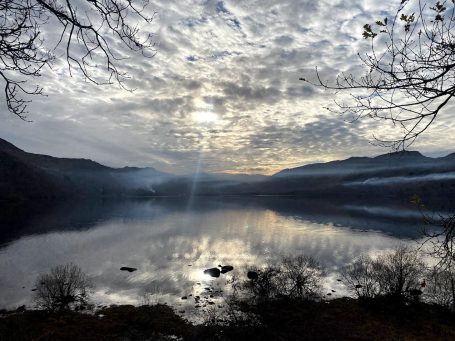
pixel 240 61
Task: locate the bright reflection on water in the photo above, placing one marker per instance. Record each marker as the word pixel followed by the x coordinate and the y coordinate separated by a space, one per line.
pixel 171 244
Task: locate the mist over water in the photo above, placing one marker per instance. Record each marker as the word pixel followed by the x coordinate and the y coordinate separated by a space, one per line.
pixel 402 179
pixel 172 241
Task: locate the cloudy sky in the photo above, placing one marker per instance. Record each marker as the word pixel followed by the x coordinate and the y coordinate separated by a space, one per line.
pixel 222 92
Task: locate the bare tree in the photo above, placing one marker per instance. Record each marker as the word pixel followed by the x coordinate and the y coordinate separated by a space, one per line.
pixel 441 287
pixel 410 70
pixel 87 32
pixel 440 235
pixel 300 277
pixel 360 277
pixel 265 286
pixel 66 286
pixel 399 272
pixel 293 276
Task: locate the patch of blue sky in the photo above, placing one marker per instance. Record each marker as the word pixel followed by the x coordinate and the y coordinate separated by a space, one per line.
pixel 221 8
pixel 192 58
pixel 192 21
pixel 234 22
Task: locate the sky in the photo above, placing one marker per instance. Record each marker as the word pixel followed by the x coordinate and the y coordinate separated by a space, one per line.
pixel 222 93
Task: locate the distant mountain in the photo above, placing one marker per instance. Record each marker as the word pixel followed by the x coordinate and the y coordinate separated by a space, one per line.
pixel 394 161
pixel 228 177
pixel 241 177
pixel 401 174
pixel 26 176
pixel 396 175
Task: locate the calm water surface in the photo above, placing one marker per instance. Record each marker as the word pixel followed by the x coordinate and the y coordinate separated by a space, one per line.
pixel 172 241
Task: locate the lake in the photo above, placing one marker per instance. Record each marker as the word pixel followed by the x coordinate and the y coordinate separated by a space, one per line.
pixel 171 241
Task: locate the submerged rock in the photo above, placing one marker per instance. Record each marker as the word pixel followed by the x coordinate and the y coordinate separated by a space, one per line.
pixel 214 272
pixel 415 292
pixel 226 268
pixel 127 268
pixel 252 275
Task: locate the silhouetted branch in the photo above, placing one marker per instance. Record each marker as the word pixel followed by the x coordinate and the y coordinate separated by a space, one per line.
pixel 410 70
pixel 87 30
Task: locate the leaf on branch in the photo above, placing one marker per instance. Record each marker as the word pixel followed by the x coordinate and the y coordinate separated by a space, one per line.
pixel 368 32
pixel 439 7
pixel 416 199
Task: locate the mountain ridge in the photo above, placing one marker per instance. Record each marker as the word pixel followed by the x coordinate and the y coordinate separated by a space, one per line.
pixel 25 175
pixel 401 159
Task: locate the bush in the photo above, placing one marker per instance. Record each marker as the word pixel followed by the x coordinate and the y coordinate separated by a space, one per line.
pixel 441 287
pixel 296 277
pixel 398 273
pixel 360 277
pixel 65 287
pixel 265 286
pixel 300 277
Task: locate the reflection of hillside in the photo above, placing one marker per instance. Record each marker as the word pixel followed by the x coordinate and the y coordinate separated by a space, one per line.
pixel 19 219
pixel 399 219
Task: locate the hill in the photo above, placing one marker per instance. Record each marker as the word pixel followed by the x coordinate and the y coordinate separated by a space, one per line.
pixel 29 176
pixel 396 175
pixel 397 162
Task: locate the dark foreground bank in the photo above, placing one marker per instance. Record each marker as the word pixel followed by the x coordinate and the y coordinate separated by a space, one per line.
pixel 281 319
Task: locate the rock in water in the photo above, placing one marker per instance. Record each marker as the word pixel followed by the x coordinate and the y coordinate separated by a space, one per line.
pixel 214 272
pixel 226 268
pixel 127 268
pixel 252 275
pixel 415 292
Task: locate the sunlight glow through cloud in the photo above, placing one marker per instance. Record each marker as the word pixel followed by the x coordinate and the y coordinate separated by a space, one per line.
pixel 205 117
pixel 225 80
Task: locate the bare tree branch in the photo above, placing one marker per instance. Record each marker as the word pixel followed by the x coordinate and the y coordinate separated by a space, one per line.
pixel 87 29
pixel 410 73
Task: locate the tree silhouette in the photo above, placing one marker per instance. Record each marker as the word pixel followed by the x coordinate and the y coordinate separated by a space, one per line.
pixel 65 287
pixel 410 70
pixel 84 33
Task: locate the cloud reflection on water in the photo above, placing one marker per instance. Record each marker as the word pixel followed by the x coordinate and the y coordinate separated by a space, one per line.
pixel 162 239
